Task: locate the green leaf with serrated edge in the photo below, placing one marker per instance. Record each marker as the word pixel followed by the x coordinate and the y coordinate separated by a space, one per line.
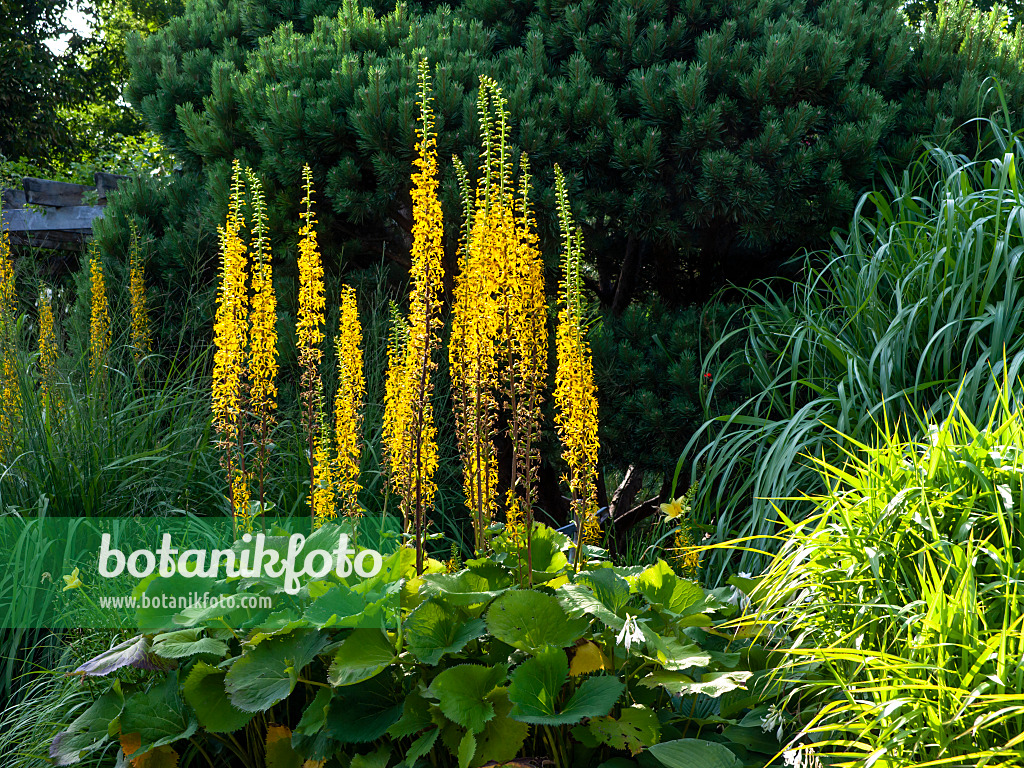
pixel 421 746
pixel 204 691
pixel 674 655
pixel 466 589
pixel 577 600
pixel 431 631
pixel 365 653
pixel 502 737
pixel 531 620
pixel 268 673
pixel 662 587
pixel 634 729
pixel 87 732
pixel 365 711
pixel 376 759
pixel 158 715
pixel 186 642
pixel 608 587
pixel 467 748
pixel 460 692
pixel 694 753
pixel 415 717
pixel 335 607
pixel 547 551
pixel 537 683
pixel 712 684
pixel 315 715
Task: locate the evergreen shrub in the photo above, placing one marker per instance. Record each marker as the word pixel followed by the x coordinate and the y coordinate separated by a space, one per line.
pixel 706 141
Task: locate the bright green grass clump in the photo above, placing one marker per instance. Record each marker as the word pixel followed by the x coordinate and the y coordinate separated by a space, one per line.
pixel 903 597
pixel 922 299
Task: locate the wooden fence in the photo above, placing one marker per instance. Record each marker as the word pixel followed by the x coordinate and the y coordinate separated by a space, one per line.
pixel 51 214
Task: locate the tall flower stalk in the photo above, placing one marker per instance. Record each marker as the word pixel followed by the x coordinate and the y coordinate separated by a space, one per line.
pixel 49 353
pixel 10 388
pixel 498 350
pixel 309 330
pixel 410 435
pixel 575 393
pixel 141 335
pixel 262 336
pixel 348 403
pixel 99 322
pixel 229 361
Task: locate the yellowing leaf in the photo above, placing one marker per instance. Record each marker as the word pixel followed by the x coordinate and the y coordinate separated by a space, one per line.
pixel 588 658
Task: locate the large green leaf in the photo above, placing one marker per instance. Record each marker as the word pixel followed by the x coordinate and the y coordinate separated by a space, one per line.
pixel 204 691
pixel 502 737
pixel 694 753
pixel 415 716
pixel 634 729
pixel 158 715
pixel 315 715
pixel 469 589
pixel 674 655
pixel 268 673
pixel 187 642
pixel 537 685
pixel 461 693
pixel 365 653
pixel 365 711
pixel 431 631
pixel 89 731
pixel 712 684
pixel 578 599
pixel 662 588
pixel 342 607
pixel 608 586
pixel 531 620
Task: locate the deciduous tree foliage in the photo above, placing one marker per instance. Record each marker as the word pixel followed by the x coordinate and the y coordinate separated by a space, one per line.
pixel 705 141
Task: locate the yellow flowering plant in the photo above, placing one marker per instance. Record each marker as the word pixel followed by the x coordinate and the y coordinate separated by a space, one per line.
pixel 230 331
pixel 575 392
pixel 498 348
pixel 262 336
pixel 10 387
pixel 49 354
pixel 348 403
pixel 141 338
pixel 309 330
pixel 410 435
pixel 99 323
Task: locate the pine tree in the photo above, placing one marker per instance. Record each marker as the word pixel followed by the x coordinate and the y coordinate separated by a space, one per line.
pixel 704 142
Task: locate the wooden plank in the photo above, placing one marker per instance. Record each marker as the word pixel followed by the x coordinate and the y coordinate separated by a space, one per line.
pixel 75 217
pixel 66 240
pixel 59 193
pixel 12 198
pixel 106 182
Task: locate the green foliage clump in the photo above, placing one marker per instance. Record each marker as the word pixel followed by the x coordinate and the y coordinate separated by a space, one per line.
pixel 902 591
pixel 652 386
pixel 708 142
pixel 452 668
pixel 922 299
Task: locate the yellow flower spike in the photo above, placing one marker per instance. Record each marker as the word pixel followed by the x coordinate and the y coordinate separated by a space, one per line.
pixel 10 388
pixel 230 336
pixel 410 435
pixel 99 324
pixel 49 353
pixel 263 366
pixel 73 581
pixel 348 403
pixel 310 337
pixel 575 392
pixel 141 336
